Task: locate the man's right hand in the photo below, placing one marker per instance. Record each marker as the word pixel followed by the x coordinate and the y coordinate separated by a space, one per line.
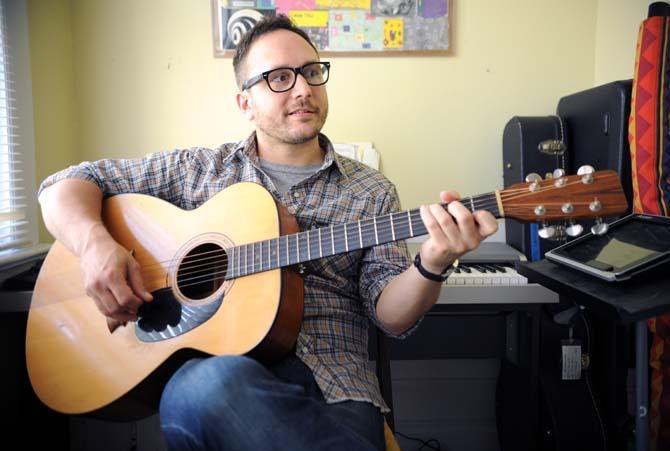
pixel 112 277
pixel 71 209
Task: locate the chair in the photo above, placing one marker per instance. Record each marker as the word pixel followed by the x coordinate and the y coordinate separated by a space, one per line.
pixel 383 368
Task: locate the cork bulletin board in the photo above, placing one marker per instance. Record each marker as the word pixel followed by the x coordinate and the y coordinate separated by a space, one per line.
pixel 344 27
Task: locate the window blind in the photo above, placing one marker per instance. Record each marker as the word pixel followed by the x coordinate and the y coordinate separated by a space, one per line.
pixel 14 219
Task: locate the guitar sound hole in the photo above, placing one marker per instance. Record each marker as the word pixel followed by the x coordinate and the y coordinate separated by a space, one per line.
pixel 202 271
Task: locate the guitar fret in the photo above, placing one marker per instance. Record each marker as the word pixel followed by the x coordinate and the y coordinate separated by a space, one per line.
pixel 384 230
pixel 346 241
pixel 409 221
pixel 269 255
pixel 246 264
pixel 232 261
pixel 320 247
pixel 419 227
pixel 297 245
pixel 472 205
pixel 332 239
pixel 288 255
pixel 392 228
pixel 374 222
pixel 239 262
pixel 309 256
pixel 360 234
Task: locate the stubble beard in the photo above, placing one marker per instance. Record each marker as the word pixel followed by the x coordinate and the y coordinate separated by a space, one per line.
pixel 283 134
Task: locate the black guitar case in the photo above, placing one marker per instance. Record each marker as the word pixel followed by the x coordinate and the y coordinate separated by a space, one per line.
pixel 525 142
pixel 597 119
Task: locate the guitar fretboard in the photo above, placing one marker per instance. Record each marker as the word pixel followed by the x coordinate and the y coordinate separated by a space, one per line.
pixel 288 250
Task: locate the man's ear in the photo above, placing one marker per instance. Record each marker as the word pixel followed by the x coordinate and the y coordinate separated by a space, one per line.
pixel 245 104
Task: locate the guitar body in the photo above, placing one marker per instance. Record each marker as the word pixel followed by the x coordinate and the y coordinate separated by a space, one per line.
pixel 76 365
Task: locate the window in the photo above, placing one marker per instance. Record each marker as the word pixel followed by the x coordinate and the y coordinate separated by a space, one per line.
pixel 18 205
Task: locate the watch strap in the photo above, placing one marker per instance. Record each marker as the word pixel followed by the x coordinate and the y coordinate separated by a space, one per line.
pixel 431 275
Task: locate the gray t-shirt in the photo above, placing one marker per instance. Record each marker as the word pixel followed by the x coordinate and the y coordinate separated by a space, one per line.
pixel 284 176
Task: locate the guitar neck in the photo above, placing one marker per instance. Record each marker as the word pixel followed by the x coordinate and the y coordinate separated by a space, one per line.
pixel 293 249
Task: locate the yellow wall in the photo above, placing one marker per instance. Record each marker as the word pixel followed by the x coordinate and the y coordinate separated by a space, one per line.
pixel 616 38
pixel 139 76
pixel 53 88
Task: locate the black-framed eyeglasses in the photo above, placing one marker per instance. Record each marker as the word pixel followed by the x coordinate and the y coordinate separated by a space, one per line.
pixel 283 79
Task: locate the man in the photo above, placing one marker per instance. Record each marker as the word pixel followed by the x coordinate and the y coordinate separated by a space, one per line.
pixel 321 396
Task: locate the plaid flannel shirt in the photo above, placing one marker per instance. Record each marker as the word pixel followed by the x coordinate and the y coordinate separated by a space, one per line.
pixel 340 291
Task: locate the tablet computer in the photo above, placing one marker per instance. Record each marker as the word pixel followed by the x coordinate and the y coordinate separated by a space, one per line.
pixel 633 244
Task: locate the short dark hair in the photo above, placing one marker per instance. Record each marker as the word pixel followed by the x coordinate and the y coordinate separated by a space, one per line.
pixel 266 25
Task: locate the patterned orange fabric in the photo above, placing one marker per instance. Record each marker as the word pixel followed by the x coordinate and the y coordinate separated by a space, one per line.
pixel 659 360
pixel 649 137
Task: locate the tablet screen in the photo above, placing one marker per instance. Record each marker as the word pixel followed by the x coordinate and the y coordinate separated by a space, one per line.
pixel 627 245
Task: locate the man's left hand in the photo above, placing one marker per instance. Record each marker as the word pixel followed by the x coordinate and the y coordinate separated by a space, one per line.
pixel 452 232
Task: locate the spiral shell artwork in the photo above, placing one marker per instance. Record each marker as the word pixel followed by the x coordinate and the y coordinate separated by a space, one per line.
pixel 240 22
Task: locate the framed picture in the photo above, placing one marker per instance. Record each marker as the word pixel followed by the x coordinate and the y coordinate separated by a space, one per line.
pixel 343 27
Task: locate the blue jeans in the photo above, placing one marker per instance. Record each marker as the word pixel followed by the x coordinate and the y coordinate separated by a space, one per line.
pixel 235 403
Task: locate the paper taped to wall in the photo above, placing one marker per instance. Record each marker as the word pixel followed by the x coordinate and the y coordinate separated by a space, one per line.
pixel 362 151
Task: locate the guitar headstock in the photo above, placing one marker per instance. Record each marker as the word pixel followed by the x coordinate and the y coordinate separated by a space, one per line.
pixel 589 194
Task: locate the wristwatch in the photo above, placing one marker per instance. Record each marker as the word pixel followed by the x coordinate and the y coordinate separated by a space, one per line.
pixel 431 275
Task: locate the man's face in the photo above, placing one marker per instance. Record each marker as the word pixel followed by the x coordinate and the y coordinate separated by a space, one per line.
pixel 292 117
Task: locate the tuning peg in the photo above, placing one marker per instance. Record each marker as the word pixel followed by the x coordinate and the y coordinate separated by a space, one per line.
pixel 547 232
pixel 534 180
pixel 586 172
pixel 599 228
pixel 533 177
pixel 586 169
pixel 574 229
pixel 567 208
pixel 595 206
pixel 559 178
pixel 587 179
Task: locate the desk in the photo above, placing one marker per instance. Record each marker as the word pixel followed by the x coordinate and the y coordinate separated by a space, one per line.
pixel 636 300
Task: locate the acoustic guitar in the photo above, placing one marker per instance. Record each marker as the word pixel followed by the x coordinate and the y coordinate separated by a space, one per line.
pixel 224 281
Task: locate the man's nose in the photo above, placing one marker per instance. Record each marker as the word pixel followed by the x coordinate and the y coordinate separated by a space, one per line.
pixel 301 88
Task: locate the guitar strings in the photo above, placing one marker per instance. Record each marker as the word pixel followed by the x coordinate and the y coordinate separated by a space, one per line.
pixel 336 238
pixel 291 247
pixel 207 275
pixel 257 263
pixel 250 267
pixel 384 222
pixel 367 225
